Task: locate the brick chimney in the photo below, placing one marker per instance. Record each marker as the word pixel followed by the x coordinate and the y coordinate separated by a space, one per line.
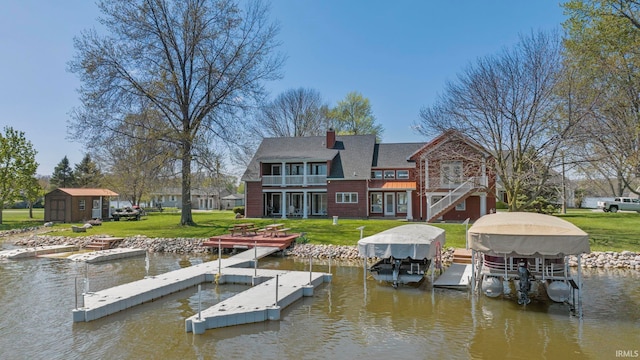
pixel 331 138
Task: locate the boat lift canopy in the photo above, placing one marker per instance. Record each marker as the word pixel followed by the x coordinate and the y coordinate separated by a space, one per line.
pixel 527 234
pixel 415 241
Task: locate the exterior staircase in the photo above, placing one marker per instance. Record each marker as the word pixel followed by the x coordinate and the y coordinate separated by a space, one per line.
pixel 103 243
pixel 454 198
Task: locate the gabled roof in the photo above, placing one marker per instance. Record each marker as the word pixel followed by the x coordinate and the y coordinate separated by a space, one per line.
pixel 87 192
pixel 351 156
pixel 390 156
pixel 448 136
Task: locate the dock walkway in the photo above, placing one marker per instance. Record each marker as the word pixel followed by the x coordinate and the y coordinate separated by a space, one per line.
pixel 107 255
pixel 36 251
pixel 106 302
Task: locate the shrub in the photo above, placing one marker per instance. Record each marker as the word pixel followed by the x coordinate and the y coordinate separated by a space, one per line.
pixel 238 210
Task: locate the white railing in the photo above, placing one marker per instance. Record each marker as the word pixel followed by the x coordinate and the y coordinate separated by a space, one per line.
pixel 293 180
pixel 454 195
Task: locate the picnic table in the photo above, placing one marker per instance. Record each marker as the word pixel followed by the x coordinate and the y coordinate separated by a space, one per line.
pixel 243 229
pixel 275 230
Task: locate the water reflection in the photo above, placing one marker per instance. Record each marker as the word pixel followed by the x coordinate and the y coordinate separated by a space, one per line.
pixel 347 318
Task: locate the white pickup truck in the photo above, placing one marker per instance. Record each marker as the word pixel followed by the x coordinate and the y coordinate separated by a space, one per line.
pixel 620 203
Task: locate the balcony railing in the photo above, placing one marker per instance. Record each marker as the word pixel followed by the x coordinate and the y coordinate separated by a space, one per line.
pixel 293 180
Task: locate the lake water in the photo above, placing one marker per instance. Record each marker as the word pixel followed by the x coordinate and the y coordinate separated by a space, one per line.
pixel 346 319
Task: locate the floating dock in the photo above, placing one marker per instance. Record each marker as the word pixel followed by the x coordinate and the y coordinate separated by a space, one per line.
pixel 273 290
pixel 107 255
pixel 36 251
pixel 456 276
pixel 291 287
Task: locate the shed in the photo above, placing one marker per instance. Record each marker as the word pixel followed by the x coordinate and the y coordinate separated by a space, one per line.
pixel 77 205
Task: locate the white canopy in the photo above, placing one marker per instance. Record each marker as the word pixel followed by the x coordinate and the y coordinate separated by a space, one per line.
pixel 522 233
pixel 416 241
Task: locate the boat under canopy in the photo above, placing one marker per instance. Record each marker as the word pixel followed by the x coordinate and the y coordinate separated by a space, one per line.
pixel 528 250
pixel 405 252
pixel 527 234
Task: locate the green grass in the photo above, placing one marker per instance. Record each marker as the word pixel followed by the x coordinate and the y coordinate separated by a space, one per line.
pixel 607 231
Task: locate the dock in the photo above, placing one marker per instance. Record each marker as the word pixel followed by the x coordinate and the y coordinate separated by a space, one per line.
pixel 273 290
pixel 107 255
pixel 458 274
pixel 233 270
pixel 247 242
pixel 36 251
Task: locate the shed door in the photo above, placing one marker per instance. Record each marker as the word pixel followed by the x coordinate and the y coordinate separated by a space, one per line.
pixel 58 207
pixel 96 209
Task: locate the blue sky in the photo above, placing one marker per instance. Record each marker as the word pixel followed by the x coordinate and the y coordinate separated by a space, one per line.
pixel 399 54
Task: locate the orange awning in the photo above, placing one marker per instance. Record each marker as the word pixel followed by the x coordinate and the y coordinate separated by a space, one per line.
pixel 399 185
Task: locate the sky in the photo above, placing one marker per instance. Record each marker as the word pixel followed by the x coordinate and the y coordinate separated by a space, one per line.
pixel 398 54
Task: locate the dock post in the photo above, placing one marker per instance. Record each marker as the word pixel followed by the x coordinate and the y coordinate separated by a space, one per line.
pixel 219 257
pixel 310 267
pixel 199 302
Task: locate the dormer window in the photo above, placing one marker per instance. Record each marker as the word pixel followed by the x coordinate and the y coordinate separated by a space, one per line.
pixel 376 174
pixel 389 174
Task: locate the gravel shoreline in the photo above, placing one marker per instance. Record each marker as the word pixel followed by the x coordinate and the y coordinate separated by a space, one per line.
pixel 597 259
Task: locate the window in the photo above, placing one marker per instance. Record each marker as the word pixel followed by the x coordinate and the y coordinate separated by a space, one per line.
pixel 81 204
pixel 346 198
pixel 451 173
pixel 376 174
pixel 389 174
pixel 319 169
pixel 401 202
pixel 172 198
pixel 376 202
pixel 462 206
pixel 402 174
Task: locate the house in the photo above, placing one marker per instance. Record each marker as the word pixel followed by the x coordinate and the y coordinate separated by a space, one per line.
pixel 353 176
pixel 232 200
pixel 77 205
pixel 201 199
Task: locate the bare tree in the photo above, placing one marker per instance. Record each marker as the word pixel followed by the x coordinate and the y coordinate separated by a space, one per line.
pixel 508 104
pixel 136 157
pixel 295 112
pixel 197 62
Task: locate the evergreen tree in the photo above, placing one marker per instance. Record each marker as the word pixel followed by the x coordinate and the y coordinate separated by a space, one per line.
pixel 87 174
pixel 62 176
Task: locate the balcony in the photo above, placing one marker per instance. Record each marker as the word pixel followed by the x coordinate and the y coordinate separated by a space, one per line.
pixel 293 180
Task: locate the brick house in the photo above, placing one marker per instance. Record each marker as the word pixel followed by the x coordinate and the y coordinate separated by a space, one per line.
pixel 353 176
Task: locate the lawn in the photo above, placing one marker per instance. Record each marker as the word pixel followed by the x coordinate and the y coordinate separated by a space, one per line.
pixel 607 231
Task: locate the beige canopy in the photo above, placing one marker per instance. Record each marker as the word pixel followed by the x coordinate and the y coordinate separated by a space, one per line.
pixel 415 241
pixel 522 233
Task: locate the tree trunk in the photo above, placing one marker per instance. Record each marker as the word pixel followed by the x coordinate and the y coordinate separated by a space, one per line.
pixel 30 211
pixel 0 216
pixel 186 216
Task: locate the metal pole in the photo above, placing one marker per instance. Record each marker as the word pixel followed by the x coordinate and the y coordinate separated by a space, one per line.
pixel 255 258
pixel 199 302
pixel 310 266
pixel 219 257
pixel 75 290
pixel 277 277
pixel 579 287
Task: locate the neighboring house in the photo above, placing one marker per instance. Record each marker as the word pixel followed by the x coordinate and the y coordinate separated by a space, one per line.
pixel 233 200
pixel 353 176
pixel 77 205
pixel 200 199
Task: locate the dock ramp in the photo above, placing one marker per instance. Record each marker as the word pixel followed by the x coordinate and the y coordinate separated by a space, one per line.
pixel 456 276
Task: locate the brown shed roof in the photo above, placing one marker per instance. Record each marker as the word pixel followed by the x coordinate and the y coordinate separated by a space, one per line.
pixel 88 192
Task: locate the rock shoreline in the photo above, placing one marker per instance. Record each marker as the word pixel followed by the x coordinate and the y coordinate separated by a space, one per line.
pixel 597 259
